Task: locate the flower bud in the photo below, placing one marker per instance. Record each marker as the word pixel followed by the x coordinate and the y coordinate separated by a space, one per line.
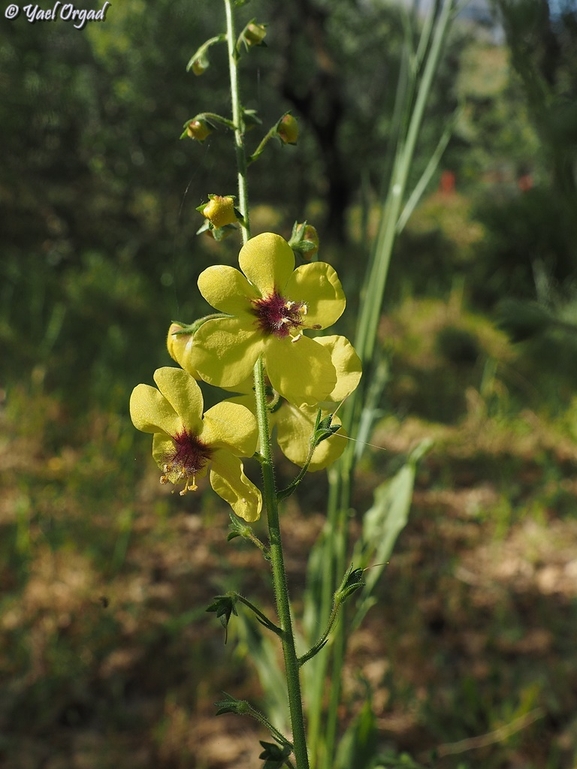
pixel 198 129
pixel 253 34
pixel 287 129
pixel 311 238
pixel 220 210
pixel 352 580
pixel 200 65
pixel 305 240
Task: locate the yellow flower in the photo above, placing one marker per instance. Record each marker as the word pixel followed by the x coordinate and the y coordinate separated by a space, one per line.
pixel 295 426
pixel 185 444
pixel 271 305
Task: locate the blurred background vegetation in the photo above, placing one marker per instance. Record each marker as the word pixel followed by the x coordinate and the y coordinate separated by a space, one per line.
pixel 106 656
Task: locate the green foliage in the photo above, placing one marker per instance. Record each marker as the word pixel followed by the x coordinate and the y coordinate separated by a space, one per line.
pixel 358 745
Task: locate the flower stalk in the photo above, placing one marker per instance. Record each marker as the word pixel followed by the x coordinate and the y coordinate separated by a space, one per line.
pixel 279 572
pixel 237 119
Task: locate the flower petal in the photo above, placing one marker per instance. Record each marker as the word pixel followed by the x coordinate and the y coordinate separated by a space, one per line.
pixel 162 448
pixel 225 351
pixel 231 426
pixel 183 394
pixel 227 478
pixel 151 412
pixel 179 346
pixel 163 453
pixel 246 387
pixel 301 371
pixel 317 285
pixel 294 431
pixel 346 362
pixel 267 261
pixel 226 289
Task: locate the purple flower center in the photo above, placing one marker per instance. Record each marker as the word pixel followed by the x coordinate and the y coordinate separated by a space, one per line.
pixel 188 457
pixel 277 315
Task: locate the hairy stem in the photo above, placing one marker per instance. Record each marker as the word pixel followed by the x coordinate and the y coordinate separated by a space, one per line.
pixel 237 119
pixel 279 574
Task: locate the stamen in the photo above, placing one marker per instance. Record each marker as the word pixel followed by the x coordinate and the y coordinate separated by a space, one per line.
pixel 189 485
pixel 187 458
pixel 278 316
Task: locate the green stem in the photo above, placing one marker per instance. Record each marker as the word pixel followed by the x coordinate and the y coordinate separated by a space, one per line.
pixel 238 120
pixel 279 573
pixel 260 149
pixel 262 719
pixel 258 613
pixel 217 119
pixel 324 638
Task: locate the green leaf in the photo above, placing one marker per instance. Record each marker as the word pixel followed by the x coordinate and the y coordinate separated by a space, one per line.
pixel 225 607
pixel 358 746
pixel 274 755
pixel 383 523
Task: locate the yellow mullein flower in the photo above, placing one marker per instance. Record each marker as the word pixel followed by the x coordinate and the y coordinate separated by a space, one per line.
pixel 295 426
pixel 271 304
pixel 187 444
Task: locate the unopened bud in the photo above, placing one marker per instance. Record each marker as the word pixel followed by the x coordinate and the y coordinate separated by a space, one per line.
pixel 287 129
pixel 253 34
pixel 220 210
pixel 305 240
pixel 311 238
pixel 353 580
pixel 200 65
pixel 198 129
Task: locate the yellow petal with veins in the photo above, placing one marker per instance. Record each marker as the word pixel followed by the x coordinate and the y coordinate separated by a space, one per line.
pixel 183 394
pixel 267 261
pixel 225 351
pixel 301 371
pixel 232 426
pixel 226 289
pixel 151 412
pixel 227 478
pixel 318 286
